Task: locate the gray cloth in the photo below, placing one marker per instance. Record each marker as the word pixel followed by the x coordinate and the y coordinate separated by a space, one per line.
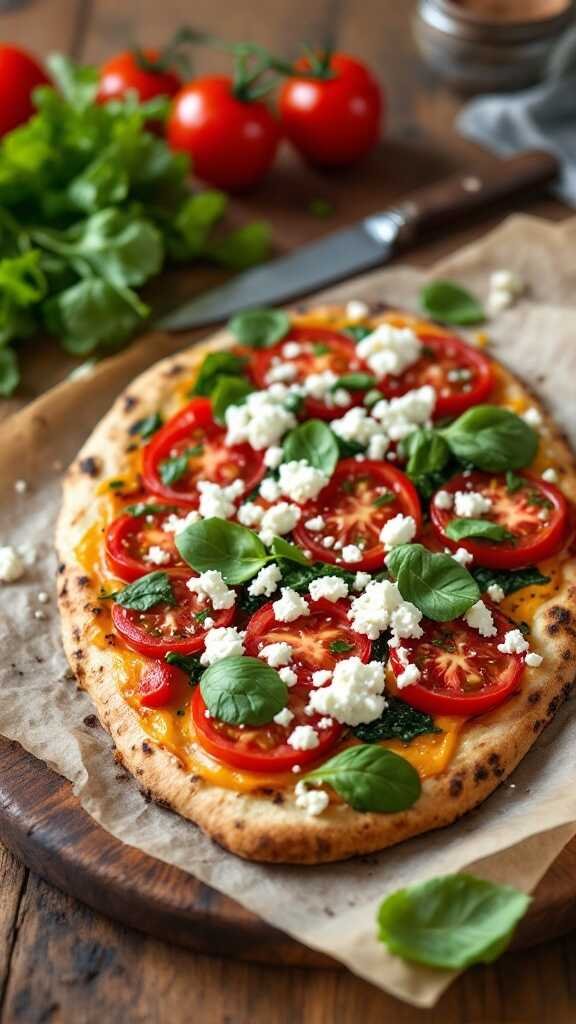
pixel 542 117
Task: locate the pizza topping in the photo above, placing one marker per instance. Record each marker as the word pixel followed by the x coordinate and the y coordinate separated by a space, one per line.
pixel 277 655
pixel 161 684
pixel 461 556
pixel 443 499
pixel 533 417
pixel 278 520
pixel 399 530
pixel 533 660
pixel 211 586
pixel 219 501
pixel 514 643
pixel 273 457
pixel 304 737
pixel 134 542
pixel 370 778
pixel 249 514
pixel 289 606
pixel 332 588
pixel 266 582
pixel 351 553
pixel 261 421
pixel 495 593
pixel 301 482
pixel 470 504
pixel 436 584
pixel 382 607
pixel 361 581
pixel 408 677
pixel 480 617
pixel 389 350
pixel 269 489
pixel 550 476
pixel 312 801
pixel 175 523
pixel 354 694
pixel 222 642
pixel 505 288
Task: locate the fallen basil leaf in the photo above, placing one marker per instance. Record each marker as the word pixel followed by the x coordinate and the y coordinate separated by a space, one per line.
pixel 260 328
pixel 436 583
pixel 458 529
pixel 451 304
pixel 147 592
pixel 370 778
pixel 243 691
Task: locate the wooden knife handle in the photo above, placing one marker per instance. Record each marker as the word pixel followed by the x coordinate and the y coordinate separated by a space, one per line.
pixel 438 205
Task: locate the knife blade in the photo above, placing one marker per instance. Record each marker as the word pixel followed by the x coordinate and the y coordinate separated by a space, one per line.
pixel 367 244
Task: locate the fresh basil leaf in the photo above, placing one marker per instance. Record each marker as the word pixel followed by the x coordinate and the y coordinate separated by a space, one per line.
pixel 228 391
pixel 283 549
pixel 214 366
pixel 143 508
pixel 174 468
pixel 347 449
pixel 232 549
pixel 260 328
pixel 355 382
pixel 358 332
pixel 243 691
pixel 440 587
pixel 147 592
pixel 314 442
pixel 398 721
pixel 452 921
pixel 189 663
pixel 387 498
pixel 458 529
pixel 510 581
pixel 427 452
pixel 147 426
pixel 492 439
pixel 370 778
pixel 451 304
pixel 9 372
pixel 513 482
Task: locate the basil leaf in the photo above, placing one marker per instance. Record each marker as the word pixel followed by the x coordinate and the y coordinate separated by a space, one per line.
pixel 513 483
pixel 511 581
pixel 440 587
pixel 189 663
pixel 357 332
pixel 355 382
pixel 451 304
pixel 214 366
pixel 314 442
pixel 457 529
pixel 142 508
pixel 243 691
pixel 492 439
pixel 215 543
pixel 228 391
pixel 370 779
pixel 452 921
pixel 340 647
pixel 384 499
pixel 283 549
pixel 398 721
pixel 427 452
pixel 147 426
pixel 173 468
pixel 260 328
pixel 147 592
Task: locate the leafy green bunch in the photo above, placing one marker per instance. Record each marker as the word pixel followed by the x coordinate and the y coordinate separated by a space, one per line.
pixel 92 205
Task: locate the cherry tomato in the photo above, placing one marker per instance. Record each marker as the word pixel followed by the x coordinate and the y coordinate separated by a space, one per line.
pixel 463 673
pixel 130 538
pixel 232 141
pixel 167 627
pixel 321 350
pixel 193 433
pixel 123 73
pixel 462 375
pixel 263 748
pixel 359 499
pixel 534 512
pixel 20 73
pixel 335 119
pixel 319 640
pixel 161 684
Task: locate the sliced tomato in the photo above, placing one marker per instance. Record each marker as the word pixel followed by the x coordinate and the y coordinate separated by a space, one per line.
pixel 321 349
pixel 194 435
pixel 462 673
pixel 319 640
pixel 161 684
pixel 354 506
pixel 264 748
pixel 179 627
pixel 461 375
pixel 534 512
pixel 129 540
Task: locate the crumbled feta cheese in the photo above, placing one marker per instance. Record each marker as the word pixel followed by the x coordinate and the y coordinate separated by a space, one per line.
pixel 288 676
pixel 533 660
pixel 278 520
pixel 277 655
pixel 21 486
pixel 266 582
pixel 291 350
pixel 399 416
pixel 284 717
pixel 315 524
pixel 341 397
pixel 208 622
pixel 514 643
pixel 250 514
pixel 312 801
pixel 355 693
pixel 300 481
pixel 273 457
pixel 218 501
pixel 471 504
pixel 211 586
pixel 495 593
pixel 356 310
pixel 351 553
pixel 331 588
pixel 390 350
pixel 480 617
pixel 324 723
pixel 175 524
pixel 398 530
pixel 290 606
pixel 269 489
pixel 320 677
pixel 533 417
pixel 43 597
pixel 11 565
pixel 444 500
pixel 408 677
pixel 550 476
pixel 223 642
pixel 304 737
pixel 320 385
pixel 461 555
pixel 377 446
pixel 261 421
pixel 281 372
pixel 505 288
pixel 381 607
pixel 328 542
pixel 361 581
pixel 157 555
pixel 356 425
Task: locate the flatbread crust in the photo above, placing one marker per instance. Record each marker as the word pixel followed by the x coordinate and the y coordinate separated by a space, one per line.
pixel 266 825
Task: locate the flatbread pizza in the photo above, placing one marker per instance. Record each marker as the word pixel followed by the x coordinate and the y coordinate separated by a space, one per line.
pixel 317 577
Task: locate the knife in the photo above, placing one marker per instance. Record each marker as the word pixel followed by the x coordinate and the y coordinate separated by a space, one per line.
pixel 364 245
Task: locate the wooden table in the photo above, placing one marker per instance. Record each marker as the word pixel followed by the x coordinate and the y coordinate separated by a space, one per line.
pixel 59 961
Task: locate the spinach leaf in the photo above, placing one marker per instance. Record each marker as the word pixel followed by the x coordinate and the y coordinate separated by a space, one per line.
pixel 509 580
pixel 189 663
pixel 260 328
pixel 440 587
pixel 370 778
pixel 457 529
pixel 398 721
pixel 146 593
pixel 314 442
pixel 451 304
pixel 243 691
pixel 214 366
pixel 215 543
pixel 452 921
pixel 492 439
pixel 147 426
pixel 228 391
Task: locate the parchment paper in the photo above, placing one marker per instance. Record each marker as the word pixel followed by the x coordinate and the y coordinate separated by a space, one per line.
pixel 331 908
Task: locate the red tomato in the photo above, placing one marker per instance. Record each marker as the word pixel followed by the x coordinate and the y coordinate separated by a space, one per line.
pixel 462 375
pixel 169 627
pixel 123 73
pixel 194 431
pixel 160 684
pixel 319 640
pixel 535 513
pixel 359 499
pixel 332 120
pixel 463 673
pixel 129 539
pixel 232 142
pixel 19 75
pixel 262 748
pixel 320 350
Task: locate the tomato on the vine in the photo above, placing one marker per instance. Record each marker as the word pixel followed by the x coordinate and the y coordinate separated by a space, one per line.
pixel 331 110
pixel 20 73
pixel 142 73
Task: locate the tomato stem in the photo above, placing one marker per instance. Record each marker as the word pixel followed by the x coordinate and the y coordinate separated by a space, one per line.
pixel 174 55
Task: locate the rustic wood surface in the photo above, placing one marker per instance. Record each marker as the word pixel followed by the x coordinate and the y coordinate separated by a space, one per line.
pixel 60 961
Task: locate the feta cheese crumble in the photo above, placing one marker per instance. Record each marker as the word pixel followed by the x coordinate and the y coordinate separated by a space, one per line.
pixel 533 417
pixel 288 676
pixel 11 565
pixel 300 481
pixel 533 660
pixel 471 504
pixel 356 310
pixel 273 457
pixel 266 582
pixel 381 607
pixel 495 593
pixel 304 737
pixel 332 588
pixel 250 514
pixel 320 677
pixel 390 349
pixel 269 489
pixel 218 501
pixel 351 553
pixel 277 655
pixel 223 642
pixel 157 555
pixel 260 422
pixel 284 717
pixel 550 476
pixel 355 693
pixel 398 530
pixel 175 524
pixel 315 524
pixel 461 555
pixel 278 520
pixel 480 617
pixel 444 500
pixel 312 801
pixel 211 586
pixel 361 581
pixel 408 677
pixel 290 606
pixel 514 643
pixel 505 288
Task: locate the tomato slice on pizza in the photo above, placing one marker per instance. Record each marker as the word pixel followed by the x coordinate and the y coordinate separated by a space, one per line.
pixel 137 544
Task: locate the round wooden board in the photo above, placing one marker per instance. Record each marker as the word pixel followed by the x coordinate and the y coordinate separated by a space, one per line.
pixel 42 822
